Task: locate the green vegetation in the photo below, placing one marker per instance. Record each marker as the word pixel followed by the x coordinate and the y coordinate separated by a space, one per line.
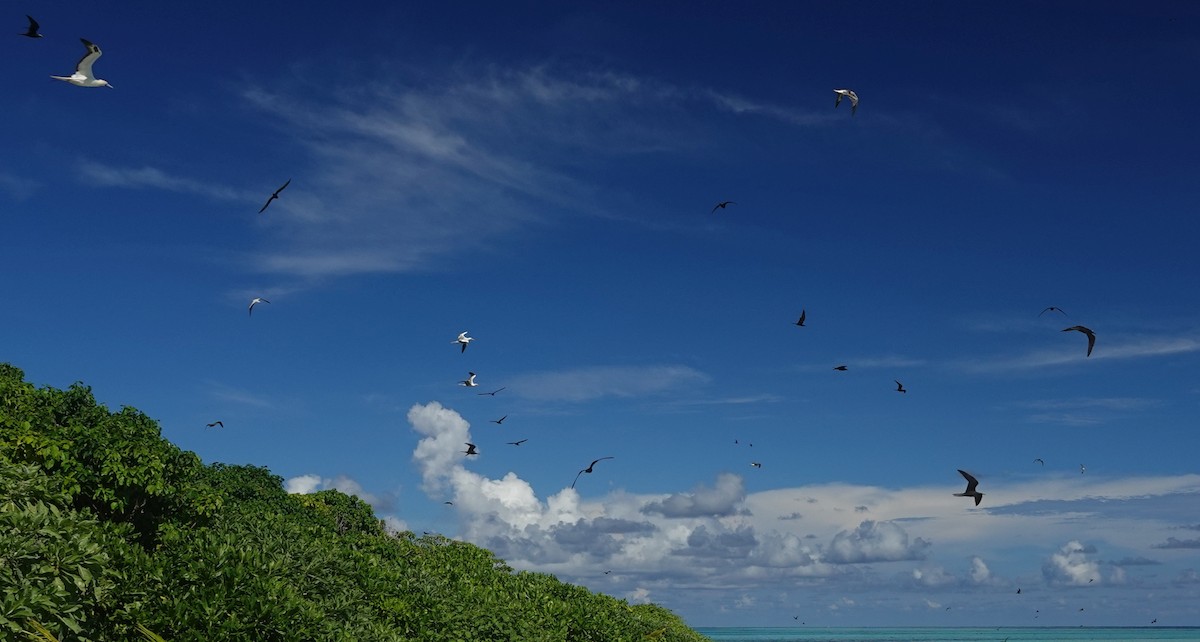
pixel 108 532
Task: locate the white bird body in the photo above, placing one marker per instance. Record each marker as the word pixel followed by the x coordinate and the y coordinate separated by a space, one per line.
pixel 463 340
pixel 83 69
pixel 255 302
pixel 846 93
pixel 469 381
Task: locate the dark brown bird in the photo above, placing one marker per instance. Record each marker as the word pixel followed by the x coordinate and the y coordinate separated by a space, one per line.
pixel 1090 335
pixel 722 205
pixel 500 420
pixel 32 32
pixel 842 368
pixel 899 386
pixel 802 317
pixel 492 393
pixel 274 196
pixel 588 469
pixel 516 443
pixel 1052 308
pixel 215 423
pixel 470 449
pixel 971 484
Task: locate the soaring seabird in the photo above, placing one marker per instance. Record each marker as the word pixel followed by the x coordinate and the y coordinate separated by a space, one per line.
pixel 803 315
pixel 971 484
pixel 899 386
pixel 83 69
pixel 846 93
pixel 722 205
pixel 32 32
pixel 274 196
pixel 587 470
pixel 215 423
pixel 1052 308
pixel 469 381
pixel 255 302
pixel 470 449
pixel 463 340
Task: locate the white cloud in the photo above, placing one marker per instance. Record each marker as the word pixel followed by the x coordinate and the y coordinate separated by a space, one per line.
pixel 17 187
pixel 723 499
pixel 152 177
pixel 1070 565
pixel 303 484
pixel 980 574
pixel 875 542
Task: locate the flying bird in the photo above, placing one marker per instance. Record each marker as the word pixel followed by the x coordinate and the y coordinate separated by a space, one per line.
pixel 846 93
pixel 756 464
pixel 516 443
pixel 255 301
pixel 32 32
pixel 463 340
pixel 1040 461
pixel 899 386
pixel 469 381
pixel 1018 591
pixel 842 368
pixel 215 423
pixel 1090 335
pixel 587 470
pixel 470 449
pixel 802 317
pixel 971 484
pixel 1082 469
pixel 1052 308
pixel 492 393
pixel 448 503
pixel 721 205
pixel 274 195
pixel 83 69
pixel 500 420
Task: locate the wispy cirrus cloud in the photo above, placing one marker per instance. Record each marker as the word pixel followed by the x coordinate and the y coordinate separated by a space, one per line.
pixel 17 187
pixel 1123 348
pixel 586 384
pixel 153 178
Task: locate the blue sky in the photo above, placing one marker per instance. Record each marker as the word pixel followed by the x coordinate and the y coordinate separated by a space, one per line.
pixel 542 174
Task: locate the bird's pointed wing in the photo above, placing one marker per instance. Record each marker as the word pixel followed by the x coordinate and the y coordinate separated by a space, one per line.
pixel 33 24
pixel 971 481
pixel 577 477
pixel 264 207
pixel 282 187
pixel 715 208
pixel 84 66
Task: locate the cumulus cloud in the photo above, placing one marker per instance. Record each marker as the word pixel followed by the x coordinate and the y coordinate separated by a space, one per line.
pixel 980 574
pixel 722 499
pixel 875 542
pixel 1071 566
pixel 932 576
pixel 303 484
pixel 1133 561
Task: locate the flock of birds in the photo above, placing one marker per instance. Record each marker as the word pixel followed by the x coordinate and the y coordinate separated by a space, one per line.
pixel 83 76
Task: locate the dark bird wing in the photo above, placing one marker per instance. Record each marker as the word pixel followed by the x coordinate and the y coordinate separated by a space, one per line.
pixel 596 462
pixel 282 187
pixel 264 207
pixel 33 27
pixel 971 482
pixel 577 477
pixel 803 316
pixel 464 348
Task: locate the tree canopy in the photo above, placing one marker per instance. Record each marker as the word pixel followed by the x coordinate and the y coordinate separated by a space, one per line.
pixel 109 532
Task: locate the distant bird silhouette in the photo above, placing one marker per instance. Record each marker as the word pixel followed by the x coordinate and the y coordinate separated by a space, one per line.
pixel 274 195
pixel 721 205
pixel 802 317
pixel 846 93
pixel 470 449
pixel 1040 461
pixel 32 32
pixel 1090 580
pixel 500 420
pixel 971 484
pixel 899 386
pixel 469 381
pixel 1082 469
pixel 492 393
pixel 215 423
pixel 1090 335
pixel 516 443
pixel 255 302
pixel 1018 591
pixel 448 503
pixel 756 464
pixel 463 340
pixel 1154 621
pixel 588 469
pixel 1052 308
pixel 842 368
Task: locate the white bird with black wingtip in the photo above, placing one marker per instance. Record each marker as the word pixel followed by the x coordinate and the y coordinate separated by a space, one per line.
pixel 83 69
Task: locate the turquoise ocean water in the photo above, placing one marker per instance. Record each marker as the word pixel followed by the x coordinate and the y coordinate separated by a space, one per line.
pixel 946 634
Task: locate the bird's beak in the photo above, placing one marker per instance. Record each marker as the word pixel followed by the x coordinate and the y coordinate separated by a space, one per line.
pixel 109 85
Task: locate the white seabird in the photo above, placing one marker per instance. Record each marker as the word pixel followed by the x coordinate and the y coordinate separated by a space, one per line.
pixel 469 381
pixel 255 302
pixel 846 93
pixel 83 69
pixel 463 340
